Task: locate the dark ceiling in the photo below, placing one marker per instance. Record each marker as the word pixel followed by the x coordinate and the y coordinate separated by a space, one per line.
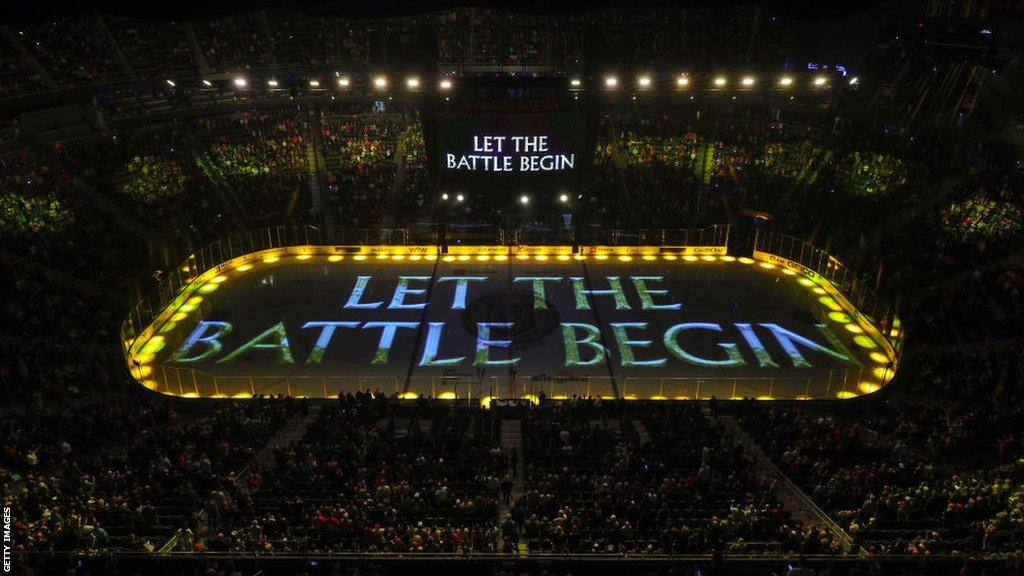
pixel 18 11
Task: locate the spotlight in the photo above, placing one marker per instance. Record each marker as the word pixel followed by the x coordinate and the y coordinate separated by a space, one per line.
pixel 460 198
pixel 747 81
pixel 853 81
pixel 240 82
pixel 343 82
pixel 575 82
pixel 314 83
pixel 563 198
pixel 207 83
pixel 446 84
pixel 720 81
pixel 380 82
pixel 444 196
pixel 785 81
pixel 273 83
pixel 412 83
pixel 682 81
pixel 524 200
pixel 170 83
pixel 611 81
pixel 820 81
pixel 644 81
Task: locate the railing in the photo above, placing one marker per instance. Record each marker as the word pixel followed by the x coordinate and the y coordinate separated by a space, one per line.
pixel 715 235
pixel 856 290
pixel 190 382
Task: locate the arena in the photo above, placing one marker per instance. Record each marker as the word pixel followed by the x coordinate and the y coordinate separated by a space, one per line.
pixel 512 290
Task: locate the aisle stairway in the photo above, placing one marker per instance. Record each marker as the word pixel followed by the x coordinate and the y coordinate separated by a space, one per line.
pixel 293 431
pixel 512 441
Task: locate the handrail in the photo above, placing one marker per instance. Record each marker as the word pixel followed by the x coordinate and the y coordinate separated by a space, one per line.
pixel 806 503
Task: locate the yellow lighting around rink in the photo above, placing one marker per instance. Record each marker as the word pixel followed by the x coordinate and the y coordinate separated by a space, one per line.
pixel 532 398
pixel 398 256
pixel 303 257
pixel 168 326
pixel 501 257
pixel 541 257
pixel 767 265
pixel 430 257
pixel 190 395
pixel 271 259
pixel 658 397
pixel 415 257
pixel 207 288
pixel 359 257
pixel 151 384
pixel 242 395
pixel 765 398
pixel 729 258
pixel 681 398
pixel 690 258
pixel 629 397
pixel 845 395
pixel 601 257
pixel 563 257
pixel 143 371
pixel 649 257
pixel 788 272
pixel 446 396
pixel 485 402
pixel 579 257
pixel 408 395
pixel 483 257
pixel 625 258
pixel 819 290
pixel 179 317
pixel 854 328
pixel 806 282
pixel 195 300
pixel 219 279
pixel 244 267
pixel 864 342
pixel 830 303
pixel 879 357
pixel 745 260
pixel 382 256
pixel 841 317
pixel 335 258
pixel 803 397
pixel 187 307
pixel 708 258
pixel 868 387
pixel 670 257
pixel 462 257
pixel 881 372
pixel 449 258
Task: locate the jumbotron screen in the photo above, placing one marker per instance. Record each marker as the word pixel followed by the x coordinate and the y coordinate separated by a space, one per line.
pixel 505 155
